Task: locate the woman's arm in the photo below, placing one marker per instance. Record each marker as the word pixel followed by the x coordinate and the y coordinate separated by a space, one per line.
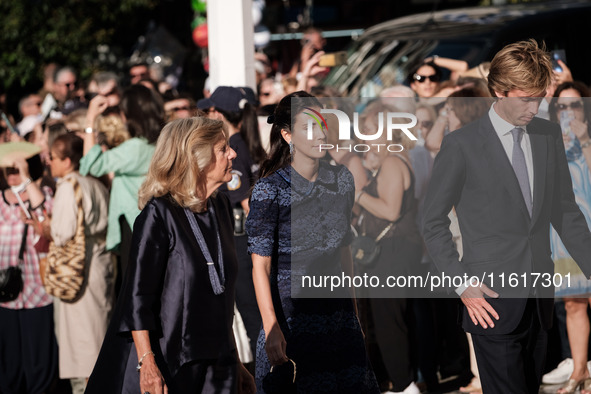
pixel 275 345
pixel 435 136
pixel 132 157
pixel 36 196
pixel 151 379
pixel 390 191
pixel 355 166
pixel 96 106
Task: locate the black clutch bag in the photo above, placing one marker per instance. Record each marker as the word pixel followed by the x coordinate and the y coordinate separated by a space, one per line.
pixel 281 379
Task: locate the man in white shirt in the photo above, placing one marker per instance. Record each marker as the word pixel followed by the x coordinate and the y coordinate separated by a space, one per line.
pixel 507 177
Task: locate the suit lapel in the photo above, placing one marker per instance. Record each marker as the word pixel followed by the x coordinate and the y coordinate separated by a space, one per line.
pixel 499 163
pixel 539 147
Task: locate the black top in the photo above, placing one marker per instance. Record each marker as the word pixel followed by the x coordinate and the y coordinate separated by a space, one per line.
pixel 168 292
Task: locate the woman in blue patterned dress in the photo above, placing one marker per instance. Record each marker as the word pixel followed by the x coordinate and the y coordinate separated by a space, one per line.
pixel 570 110
pixel 299 223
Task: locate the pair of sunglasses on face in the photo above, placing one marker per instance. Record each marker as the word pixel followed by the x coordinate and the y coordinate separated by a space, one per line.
pixel 422 78
pixel 574 105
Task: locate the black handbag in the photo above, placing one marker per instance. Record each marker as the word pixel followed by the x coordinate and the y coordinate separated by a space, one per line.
pixel 366 250
pixel 281 379
pixel 11 278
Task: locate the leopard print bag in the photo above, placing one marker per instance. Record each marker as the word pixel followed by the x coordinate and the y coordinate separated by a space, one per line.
pixel 65 273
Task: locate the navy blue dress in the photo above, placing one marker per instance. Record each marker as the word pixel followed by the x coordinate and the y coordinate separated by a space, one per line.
pixel 305 224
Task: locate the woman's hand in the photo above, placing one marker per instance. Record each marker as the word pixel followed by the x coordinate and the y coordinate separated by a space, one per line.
pixel 96 106
pixel 23 168
pixel 275 345
pixel 151 380
pixel 580 130
pixel 246 383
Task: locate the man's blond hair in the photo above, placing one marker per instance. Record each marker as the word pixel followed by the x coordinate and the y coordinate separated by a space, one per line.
pixel 522 65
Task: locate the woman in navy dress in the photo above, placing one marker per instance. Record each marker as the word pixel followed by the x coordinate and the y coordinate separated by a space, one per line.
pixel 299 223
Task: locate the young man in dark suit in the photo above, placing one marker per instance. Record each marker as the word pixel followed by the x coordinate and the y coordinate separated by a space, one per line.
pixel 507 177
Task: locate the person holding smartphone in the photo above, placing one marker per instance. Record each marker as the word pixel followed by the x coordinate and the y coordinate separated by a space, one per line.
pixel 27 337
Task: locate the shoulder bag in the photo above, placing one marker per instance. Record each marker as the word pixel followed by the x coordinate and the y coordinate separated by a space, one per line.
pixel 65 274
pixel 366 250
pixel 11 278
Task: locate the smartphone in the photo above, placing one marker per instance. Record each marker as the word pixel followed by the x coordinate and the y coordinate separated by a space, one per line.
pixel 558 54
pixel 333 59
pixel 568 135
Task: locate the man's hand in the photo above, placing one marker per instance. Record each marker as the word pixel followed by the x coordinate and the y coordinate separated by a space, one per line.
pixel 479 309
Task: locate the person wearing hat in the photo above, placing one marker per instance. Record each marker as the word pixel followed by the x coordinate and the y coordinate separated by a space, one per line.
pixel 27 337
pixel 234 106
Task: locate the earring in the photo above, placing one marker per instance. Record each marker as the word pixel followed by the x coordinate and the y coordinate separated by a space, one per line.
pixel 291 148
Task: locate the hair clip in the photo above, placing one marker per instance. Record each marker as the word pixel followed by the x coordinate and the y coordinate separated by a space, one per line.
pixel 271 119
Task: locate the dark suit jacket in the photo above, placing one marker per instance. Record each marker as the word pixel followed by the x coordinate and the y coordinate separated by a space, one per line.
pixel 473 173
pixel 168 292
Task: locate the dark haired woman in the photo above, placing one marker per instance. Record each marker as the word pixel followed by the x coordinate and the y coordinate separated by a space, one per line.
pixel 300 222
pixel 81 325
pixel 144 116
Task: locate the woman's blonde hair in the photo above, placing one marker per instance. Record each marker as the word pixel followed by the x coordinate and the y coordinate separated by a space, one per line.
pixel 522 65
pixel 183 157
pixel 112 130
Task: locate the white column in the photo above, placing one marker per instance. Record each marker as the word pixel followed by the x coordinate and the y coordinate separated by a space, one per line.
pixel 231 43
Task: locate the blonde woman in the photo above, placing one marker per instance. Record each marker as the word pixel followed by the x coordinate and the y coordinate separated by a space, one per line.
pixel 172 330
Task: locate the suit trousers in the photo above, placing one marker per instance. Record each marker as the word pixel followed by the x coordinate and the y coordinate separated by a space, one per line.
pixel 513 363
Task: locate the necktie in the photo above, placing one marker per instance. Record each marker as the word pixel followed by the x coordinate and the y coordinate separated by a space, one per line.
pixel 518 163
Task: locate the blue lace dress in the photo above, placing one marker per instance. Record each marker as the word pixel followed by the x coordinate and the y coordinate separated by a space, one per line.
pixel 305 224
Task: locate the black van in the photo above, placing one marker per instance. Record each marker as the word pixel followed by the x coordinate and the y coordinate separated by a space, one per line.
pixel 386 53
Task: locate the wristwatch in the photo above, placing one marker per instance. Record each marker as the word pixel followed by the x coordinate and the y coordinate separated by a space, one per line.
pixel 88 130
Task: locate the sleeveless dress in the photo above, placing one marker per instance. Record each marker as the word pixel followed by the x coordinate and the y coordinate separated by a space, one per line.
pixel 304 224
pixel 387 312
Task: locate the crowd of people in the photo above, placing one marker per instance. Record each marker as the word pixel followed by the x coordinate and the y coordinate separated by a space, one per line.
pixel 199 218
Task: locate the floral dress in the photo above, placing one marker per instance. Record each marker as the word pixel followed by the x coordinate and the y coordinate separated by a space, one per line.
pixel 302 226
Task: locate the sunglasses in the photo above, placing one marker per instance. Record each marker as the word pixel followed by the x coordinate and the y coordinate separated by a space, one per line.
pixel 573 105
pixel 11 171
pixel 265 94
pixel 422 78
pixel 177 109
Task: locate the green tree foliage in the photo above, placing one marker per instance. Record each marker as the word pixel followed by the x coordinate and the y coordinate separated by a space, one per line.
pixel 38 32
